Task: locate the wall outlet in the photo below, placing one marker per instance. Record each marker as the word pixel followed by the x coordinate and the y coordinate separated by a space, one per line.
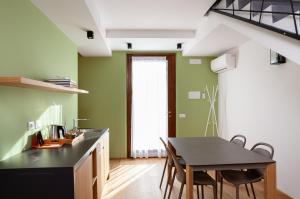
pixel 38 124
pixel 30 125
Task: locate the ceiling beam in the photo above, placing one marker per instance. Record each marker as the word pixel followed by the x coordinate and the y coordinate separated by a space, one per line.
pixel 115 33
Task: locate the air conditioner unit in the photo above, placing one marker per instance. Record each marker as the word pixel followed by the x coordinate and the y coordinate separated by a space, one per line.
pixel 223 63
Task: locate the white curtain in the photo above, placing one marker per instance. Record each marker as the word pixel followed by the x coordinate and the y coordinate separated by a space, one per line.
pixel 149 106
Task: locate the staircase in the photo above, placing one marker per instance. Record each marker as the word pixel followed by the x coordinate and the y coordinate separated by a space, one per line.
pixel 281 16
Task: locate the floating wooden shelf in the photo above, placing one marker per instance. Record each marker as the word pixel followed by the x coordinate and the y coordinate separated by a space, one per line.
pixel 36 84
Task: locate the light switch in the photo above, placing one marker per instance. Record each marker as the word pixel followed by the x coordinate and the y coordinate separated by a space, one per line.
pixel 38 124
pixel 194 95
pixel 182 115
pixel 30 125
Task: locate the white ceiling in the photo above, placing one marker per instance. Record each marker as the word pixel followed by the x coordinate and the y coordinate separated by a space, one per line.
pixel 152 14
pixel 74 17
pixel 156 25
pixel 145 44
pixel 223 37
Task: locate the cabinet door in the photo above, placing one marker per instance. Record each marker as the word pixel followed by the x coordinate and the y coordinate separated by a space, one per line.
pixel 100 168
pixel 103 177
pixel 84 180
pixel 106 154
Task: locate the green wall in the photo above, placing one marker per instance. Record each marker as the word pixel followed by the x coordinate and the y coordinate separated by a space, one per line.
pixel 32 46
pixel 193 78
pixel 105 78
pixel 105 106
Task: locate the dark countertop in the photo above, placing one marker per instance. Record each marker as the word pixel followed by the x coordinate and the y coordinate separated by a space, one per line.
pixel 68 156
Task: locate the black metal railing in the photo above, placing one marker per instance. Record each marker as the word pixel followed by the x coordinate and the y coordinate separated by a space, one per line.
pixel 281 16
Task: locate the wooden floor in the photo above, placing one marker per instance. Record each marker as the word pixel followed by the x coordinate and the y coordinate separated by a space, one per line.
pixel 139 179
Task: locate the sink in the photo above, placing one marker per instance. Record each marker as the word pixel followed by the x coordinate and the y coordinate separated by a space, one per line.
pixel 88 130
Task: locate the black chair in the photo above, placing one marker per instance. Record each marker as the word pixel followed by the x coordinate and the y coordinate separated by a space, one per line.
pixel 169 162
pixel 239 140
pixel 239 177
pixel 165 165
pixel 200 178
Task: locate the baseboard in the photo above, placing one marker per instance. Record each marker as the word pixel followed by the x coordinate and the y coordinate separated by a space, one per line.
pixel 118 158
pixel 282 195
pixel 131 158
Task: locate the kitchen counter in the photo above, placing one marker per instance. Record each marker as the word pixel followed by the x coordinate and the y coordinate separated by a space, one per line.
pixel 68 156
pixel 33 173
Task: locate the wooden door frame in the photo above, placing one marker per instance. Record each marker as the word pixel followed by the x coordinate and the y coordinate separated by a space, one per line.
pixel 171 57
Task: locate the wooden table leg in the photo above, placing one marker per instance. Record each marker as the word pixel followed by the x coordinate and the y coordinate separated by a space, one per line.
pixel 189 182
pixel 270 181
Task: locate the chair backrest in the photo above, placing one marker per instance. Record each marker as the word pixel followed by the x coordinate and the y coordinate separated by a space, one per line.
pixel 265 150
pixel 239 140
pixel 169 157
pixel 180 173
pixel 164 143
pixel 260 148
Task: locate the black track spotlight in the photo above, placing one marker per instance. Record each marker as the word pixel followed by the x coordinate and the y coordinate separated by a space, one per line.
pixel 179 46
pixel 90 34
pixel 129 46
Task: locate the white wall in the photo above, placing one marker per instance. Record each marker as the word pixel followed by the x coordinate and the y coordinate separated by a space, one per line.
pixel 263 103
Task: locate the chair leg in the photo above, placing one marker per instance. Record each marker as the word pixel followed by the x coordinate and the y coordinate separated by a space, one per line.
pixel 166 189
pixel 215 190
pixel 198 194
pixel 169 179
pixel 237 192
pixel 172 183
pixel 163 174
pixel 221 187
pixel 181 189
pixel 253 190
pixel 247 190
pixel 217 177
pixel 202 191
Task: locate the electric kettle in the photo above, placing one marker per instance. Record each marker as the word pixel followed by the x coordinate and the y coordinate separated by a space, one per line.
pixel 56 132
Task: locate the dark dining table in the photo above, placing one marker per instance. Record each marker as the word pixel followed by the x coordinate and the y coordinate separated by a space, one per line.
pixel 215 153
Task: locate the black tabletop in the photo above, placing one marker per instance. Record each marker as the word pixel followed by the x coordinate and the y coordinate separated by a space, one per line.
pixel 66 156
pixel 205 151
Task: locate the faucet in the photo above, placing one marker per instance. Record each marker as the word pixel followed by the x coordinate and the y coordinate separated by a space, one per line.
pixel 75 123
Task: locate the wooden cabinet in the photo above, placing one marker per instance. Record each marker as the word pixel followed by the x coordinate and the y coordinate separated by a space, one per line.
pixel 76 171
pixel 92 174
pixel 84 180
pixel 100 168
pixel 102 163
pixel 106 155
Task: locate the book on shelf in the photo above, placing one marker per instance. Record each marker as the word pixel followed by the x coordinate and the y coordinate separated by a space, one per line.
pixel 63 82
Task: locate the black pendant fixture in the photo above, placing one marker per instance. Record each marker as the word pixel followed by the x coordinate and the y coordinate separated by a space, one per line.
pixel 129 46
pixel 90 34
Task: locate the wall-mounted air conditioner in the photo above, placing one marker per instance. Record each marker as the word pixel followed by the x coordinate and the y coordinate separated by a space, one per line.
pixel 223 63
